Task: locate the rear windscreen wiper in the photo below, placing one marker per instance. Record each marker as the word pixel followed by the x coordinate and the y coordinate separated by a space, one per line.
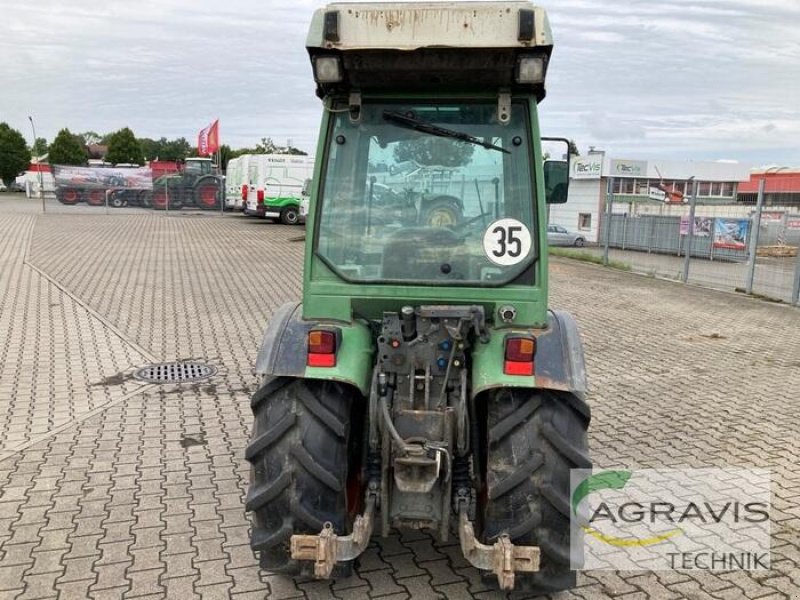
pixel 430 128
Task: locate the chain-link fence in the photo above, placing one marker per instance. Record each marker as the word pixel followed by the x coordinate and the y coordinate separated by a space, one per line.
pixel 749 246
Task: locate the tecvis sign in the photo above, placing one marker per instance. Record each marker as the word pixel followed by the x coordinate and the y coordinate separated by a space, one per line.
pixel 587 167
pixel 628 168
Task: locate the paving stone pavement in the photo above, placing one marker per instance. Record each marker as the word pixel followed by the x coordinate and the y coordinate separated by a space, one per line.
pixel 114 489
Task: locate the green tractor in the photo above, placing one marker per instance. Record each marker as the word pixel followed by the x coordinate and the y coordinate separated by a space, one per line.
pixel 194 185
pixel 422 382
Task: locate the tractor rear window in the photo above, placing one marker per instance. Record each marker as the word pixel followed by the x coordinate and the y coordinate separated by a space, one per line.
pixel 433 193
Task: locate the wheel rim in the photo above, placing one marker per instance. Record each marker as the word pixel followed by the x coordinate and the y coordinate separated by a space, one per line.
pixel 208 195
pixel 442 217
pixel 159 199
pixel 96 197
pixel 70 196
pixel 290 216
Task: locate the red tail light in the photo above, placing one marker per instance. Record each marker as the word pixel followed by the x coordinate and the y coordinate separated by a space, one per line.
pixel 260 195
pixel 244 192
pixel 321 348
pixel 519 354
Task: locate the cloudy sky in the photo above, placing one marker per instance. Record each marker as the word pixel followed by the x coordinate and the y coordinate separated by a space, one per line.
pixel 693 79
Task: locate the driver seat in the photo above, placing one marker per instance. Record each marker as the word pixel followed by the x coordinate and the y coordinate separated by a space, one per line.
pixel 418 252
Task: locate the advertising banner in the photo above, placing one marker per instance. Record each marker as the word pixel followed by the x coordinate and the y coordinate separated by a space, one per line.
pixel 702 226
pixel 731 233
pixel 139 178
pixel 771 216
pixel 793 223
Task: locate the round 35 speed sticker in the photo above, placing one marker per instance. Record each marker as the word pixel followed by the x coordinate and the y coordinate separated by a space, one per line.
pixel 507 242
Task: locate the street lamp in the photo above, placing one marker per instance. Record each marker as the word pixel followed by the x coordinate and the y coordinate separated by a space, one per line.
pixel 751 267
pixel 38 165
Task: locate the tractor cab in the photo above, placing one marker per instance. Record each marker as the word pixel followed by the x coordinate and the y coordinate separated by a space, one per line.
pixel 422 382
pixel 198 167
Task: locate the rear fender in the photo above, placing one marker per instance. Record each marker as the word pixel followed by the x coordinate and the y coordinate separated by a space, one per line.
pixel 559 360
pixel 285 347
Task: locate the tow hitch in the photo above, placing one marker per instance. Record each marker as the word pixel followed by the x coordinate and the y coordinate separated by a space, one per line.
pixel 326 548
pixel 502 558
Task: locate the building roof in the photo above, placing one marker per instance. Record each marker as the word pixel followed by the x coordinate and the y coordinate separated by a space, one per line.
pixel 787 181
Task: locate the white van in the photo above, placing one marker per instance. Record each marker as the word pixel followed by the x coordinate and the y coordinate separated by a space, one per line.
pixel 235 182
pixel 275 185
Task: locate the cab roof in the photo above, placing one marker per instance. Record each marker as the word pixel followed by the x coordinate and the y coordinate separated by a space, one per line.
pixel 436 47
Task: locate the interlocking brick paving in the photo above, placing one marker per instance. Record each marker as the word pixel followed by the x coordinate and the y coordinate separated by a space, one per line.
pixel 136 492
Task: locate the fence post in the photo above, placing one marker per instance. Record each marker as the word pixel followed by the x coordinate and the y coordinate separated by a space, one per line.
pixel 751 267
pixel 796 286
pixel 609 200
pixel 690 233
pixel 624 229
pixel 107 192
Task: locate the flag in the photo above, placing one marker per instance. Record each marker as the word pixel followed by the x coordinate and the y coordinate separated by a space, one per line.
pixel 208 139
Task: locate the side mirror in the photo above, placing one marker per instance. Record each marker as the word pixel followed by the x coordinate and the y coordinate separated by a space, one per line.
pixel 556 181
pixel 556 169
pixel 306 191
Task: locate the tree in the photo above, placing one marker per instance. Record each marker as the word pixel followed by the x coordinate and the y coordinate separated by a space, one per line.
pixel 150 148
pixel 573 148
pixel 67 149
pixel 164 149
pixel 434 151
pixel 14 155
pixel 39 147
pixel 123 147
pixel 267 146
pixel 90 137
pixel 177 149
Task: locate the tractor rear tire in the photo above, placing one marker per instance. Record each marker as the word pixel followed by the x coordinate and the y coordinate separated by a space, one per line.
pixel 534 438
pixel 442 211
pixel 205 196
pixel 299 459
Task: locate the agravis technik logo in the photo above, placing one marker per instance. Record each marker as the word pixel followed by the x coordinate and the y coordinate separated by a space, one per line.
pixel 658 519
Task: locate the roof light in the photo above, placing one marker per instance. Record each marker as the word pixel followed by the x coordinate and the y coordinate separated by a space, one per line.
pixel 526 31
pixel 530 69
pixel 332 26
pixel 327 69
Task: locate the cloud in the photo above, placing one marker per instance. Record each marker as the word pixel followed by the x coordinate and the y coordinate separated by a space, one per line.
pixel 688 78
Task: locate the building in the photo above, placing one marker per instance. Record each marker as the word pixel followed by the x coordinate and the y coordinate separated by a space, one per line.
pixel 640 183
pixel 781 187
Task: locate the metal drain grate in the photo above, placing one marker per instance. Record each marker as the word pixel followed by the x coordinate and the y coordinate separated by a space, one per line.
pixel 175 372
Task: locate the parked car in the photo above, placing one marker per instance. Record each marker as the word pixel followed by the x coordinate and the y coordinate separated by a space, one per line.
pixel 558 235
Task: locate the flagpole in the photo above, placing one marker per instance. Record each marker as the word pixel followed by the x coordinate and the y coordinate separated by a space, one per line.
pixel 221 187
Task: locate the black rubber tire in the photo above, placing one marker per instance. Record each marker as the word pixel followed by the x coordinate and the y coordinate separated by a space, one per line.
pixel 299 459
pixel 290 215
pixel 533 439
pixel 580 243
